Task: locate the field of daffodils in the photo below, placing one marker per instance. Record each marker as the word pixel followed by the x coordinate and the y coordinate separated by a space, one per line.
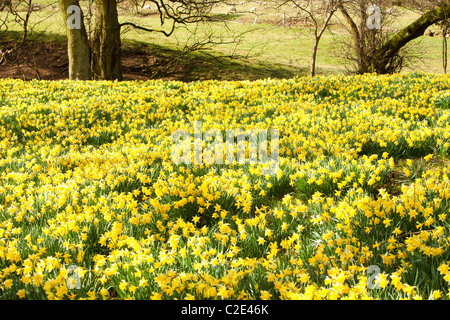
pixel 92 205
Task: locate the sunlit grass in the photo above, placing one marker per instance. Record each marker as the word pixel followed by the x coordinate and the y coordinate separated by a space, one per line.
pixel 260 46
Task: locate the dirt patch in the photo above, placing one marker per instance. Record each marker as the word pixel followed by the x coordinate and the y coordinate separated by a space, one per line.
pixel 46 61
pixel 49 61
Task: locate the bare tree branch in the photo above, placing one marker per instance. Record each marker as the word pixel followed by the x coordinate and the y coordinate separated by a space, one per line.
pixel 167 34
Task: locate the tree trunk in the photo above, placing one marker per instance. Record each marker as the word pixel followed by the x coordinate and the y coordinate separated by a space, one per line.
pixel 314 56
pixel 379 62
pixel 444 45
pixel 356 37
pixel 106 63
pixel 444 51
pixel 317 36
pixel 77 41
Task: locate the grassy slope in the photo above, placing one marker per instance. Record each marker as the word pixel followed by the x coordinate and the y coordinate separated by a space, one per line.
pixel 270 50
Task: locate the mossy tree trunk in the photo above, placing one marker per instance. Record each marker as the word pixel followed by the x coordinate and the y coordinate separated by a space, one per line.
pixel 77 41
pixel 106 51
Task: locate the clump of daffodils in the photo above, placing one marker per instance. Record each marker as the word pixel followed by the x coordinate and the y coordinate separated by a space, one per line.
pixel 93 207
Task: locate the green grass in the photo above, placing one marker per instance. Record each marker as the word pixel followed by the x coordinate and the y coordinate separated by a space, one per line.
pixel 263 50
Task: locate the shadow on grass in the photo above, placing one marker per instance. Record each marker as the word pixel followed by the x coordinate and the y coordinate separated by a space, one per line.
pixel 160 62
pixel 45 56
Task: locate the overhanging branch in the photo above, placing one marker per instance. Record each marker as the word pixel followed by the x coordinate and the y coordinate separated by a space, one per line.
pixel 167 34
pixel 414 30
